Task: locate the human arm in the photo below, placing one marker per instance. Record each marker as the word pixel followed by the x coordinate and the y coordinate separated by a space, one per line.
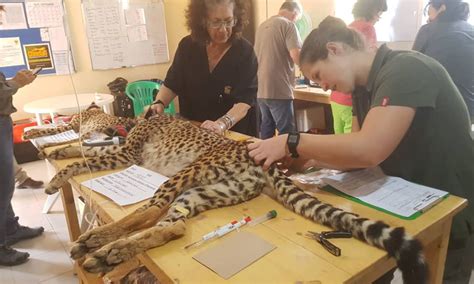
pixel 236 113
pixel 165 96
pixel 383 129
pixel 295 55
pixel 355 124
pixel 293 43
pixel 174 80
pixel 21 79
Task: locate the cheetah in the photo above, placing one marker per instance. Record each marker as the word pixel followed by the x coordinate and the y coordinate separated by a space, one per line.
pixel 206 171
pixel 93 119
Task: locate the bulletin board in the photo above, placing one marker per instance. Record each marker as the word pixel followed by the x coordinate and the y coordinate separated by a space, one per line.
pixel 125 33
pixel 33 34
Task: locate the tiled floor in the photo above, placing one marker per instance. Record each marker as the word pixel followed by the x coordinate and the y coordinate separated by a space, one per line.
pixel 49 257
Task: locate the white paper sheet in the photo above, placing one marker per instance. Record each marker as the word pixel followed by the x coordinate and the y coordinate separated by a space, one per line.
pixel 129 186
pixel 137 33
pixel 69 135
pixel 58 38
pixel 390 193
pixel 44 13
pixel 10 52
pixel 135 16
pixel 13 18
pixel 63 61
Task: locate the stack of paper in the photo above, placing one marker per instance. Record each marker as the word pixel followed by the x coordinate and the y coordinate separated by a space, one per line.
pixel 392 194
pixel 67 136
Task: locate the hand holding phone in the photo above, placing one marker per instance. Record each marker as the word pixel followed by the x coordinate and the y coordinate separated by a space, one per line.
pixel 36 70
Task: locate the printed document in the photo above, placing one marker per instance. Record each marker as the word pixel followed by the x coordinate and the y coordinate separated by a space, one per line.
pixel 393 194
pixel 129 186
pixel 67 136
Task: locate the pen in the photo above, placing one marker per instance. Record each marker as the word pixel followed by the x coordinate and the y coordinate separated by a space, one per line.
pixel 429 206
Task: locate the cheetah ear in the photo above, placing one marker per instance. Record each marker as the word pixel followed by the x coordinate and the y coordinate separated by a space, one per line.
pixel 92 106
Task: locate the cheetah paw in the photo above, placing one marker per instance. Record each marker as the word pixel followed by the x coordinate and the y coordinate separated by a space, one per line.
pixel 51 189
pixel 94 239
pixel 111 255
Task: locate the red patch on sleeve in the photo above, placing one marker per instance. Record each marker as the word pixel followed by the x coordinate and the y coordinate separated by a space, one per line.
pixel 385 101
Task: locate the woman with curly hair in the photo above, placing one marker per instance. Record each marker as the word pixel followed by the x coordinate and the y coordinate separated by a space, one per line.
pixel 214 71
pixel 449 38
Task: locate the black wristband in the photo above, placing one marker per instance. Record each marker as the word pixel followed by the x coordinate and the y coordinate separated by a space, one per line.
pixel 159 102
pixel 292 142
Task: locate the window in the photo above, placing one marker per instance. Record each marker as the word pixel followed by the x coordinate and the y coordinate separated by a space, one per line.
pixel 400 22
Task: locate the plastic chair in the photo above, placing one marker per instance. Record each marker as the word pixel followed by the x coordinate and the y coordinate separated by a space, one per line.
pixel 141 94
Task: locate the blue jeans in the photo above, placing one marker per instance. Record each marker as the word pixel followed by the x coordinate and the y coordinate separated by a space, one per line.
pixel 276 114
pixel 8 222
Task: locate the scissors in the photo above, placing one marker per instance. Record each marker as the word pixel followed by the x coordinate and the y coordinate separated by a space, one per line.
pixel 323 237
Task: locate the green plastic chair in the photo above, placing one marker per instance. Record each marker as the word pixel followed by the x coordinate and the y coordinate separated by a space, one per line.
pixel 141 94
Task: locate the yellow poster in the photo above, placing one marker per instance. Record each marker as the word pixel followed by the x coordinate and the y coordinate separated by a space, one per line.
pixel 38 55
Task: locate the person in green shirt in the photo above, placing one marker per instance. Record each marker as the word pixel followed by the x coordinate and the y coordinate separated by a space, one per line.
pixel 410 120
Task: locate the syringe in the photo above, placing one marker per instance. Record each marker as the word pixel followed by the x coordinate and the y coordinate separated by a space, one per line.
pixel 221 231
pixel 270 215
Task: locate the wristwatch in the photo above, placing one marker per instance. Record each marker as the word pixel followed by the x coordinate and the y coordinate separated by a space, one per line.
pixel 159 102
pixel 292 142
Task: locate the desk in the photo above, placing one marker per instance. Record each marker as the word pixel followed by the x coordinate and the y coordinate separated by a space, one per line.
pixel 311 94
pixel 66 104
pixel 307 101
pixel 296 259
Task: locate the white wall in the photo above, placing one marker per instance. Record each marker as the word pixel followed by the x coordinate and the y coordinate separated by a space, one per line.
pixel 87 80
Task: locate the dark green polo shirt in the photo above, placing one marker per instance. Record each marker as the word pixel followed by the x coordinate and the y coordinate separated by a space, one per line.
pixel 437 150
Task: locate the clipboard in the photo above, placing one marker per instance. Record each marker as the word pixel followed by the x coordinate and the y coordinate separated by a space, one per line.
pixel 331 189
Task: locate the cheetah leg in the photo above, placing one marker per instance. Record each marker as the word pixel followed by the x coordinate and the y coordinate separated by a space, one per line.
pixel 172 226
pixel 71 151
pixel 96 238
pixel 119 160
pixel 160 201
pixel 39 132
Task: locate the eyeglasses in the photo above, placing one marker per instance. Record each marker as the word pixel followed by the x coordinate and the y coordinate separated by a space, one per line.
pixel 218 24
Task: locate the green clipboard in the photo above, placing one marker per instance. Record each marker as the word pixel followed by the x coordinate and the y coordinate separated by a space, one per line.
pixel 331 189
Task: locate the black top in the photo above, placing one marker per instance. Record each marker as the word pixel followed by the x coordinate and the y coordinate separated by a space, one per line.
pixel 452 44
pixel 208 96
pixel 437 149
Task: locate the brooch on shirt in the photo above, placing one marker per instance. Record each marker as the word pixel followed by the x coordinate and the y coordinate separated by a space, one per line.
pixel 227 90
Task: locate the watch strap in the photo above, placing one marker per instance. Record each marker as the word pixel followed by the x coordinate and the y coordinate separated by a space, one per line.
pixel 292 142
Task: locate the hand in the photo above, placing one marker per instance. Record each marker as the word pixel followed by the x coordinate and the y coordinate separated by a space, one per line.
pixel 215 126
pixel 157 108
pixel 23 78
pixel 270 150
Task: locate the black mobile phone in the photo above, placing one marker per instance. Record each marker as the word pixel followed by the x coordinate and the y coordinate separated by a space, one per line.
pixel 36 70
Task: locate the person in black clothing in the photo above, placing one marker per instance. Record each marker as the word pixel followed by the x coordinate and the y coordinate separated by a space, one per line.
pixel 449 39
pixel 214 71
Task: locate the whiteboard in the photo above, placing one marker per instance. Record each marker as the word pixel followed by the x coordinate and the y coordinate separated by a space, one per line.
pixel 125 33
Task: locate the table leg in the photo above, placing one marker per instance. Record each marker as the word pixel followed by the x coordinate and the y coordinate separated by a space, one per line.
pixel 70 211
pixel 50 200
pixel 328 119
pixel 435 254
pixel 39 119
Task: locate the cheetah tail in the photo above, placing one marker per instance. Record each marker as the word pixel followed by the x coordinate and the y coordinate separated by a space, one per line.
pixel 405 249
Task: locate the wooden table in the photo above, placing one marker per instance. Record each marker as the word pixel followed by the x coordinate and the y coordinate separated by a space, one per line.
pixel 312 94
pixel 309 97
pixel 296 259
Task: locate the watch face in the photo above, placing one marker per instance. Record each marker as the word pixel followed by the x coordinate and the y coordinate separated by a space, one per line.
pixel 292 139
